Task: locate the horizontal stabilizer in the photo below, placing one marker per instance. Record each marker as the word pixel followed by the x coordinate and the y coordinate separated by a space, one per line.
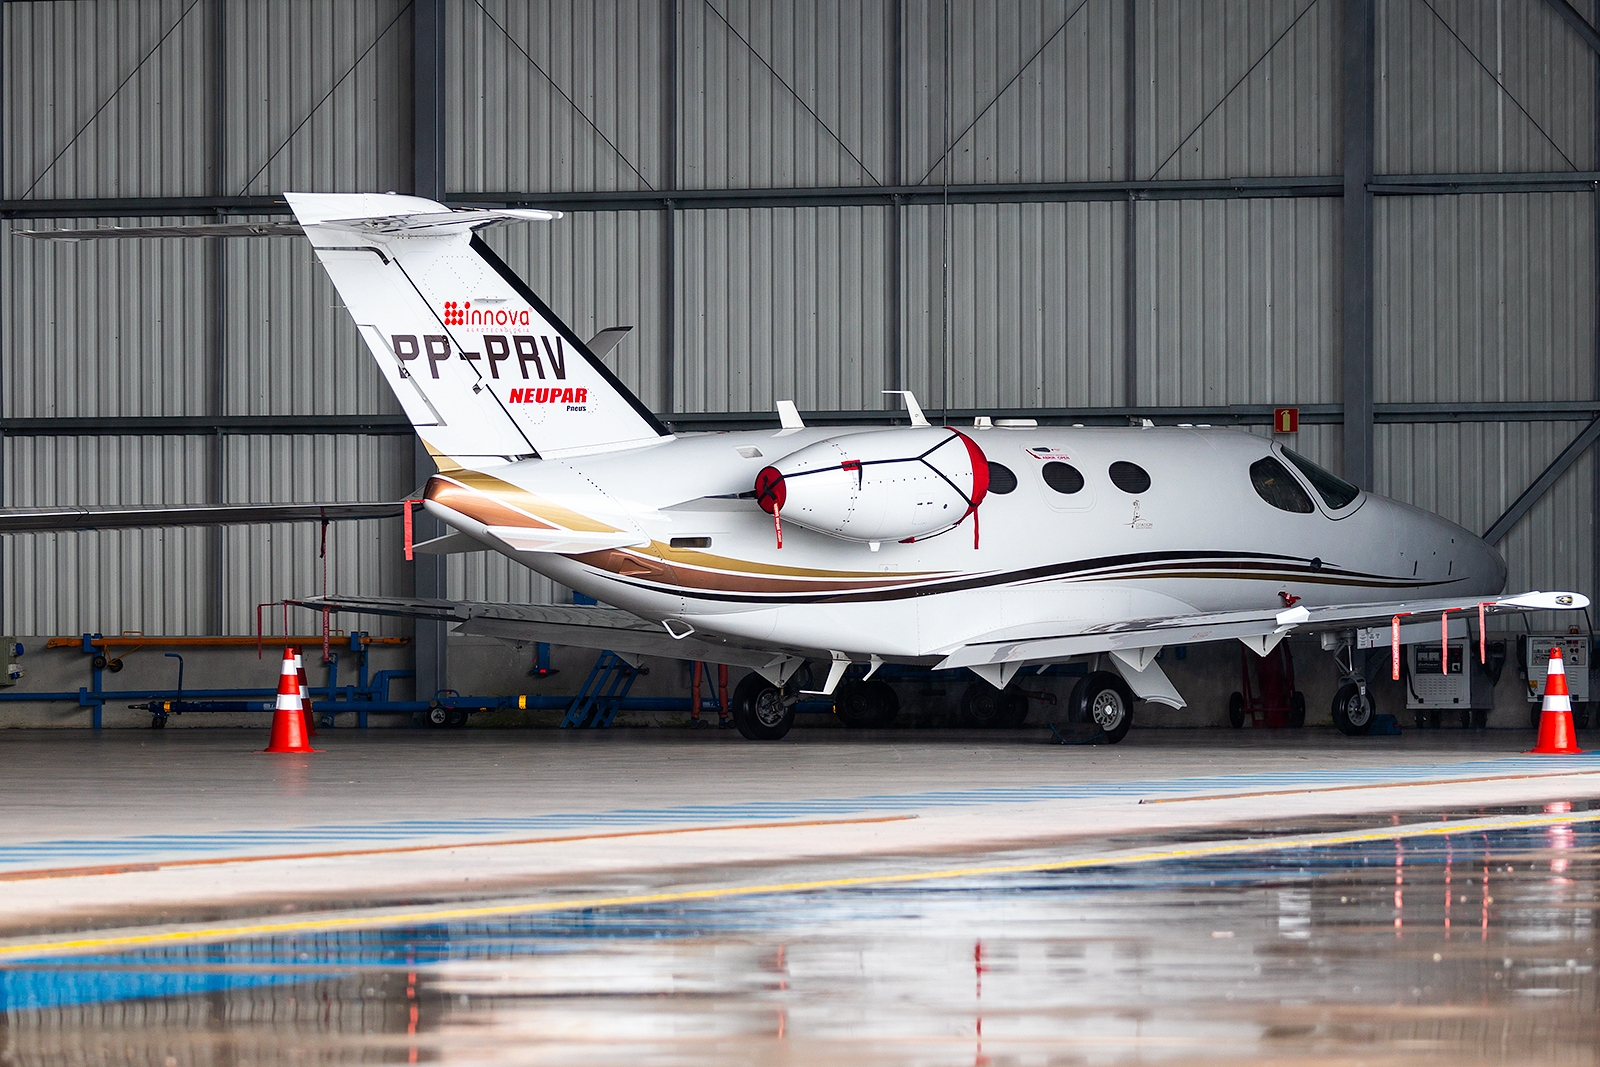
pixel 203 229
pixel 450 544
pixel 114 517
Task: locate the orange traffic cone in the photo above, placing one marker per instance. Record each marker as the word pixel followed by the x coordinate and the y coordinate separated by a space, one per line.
pixel 1556 734
pixel 305 693
pixel 288 720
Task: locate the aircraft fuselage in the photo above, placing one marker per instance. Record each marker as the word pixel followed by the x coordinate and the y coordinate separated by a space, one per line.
pixel 688 542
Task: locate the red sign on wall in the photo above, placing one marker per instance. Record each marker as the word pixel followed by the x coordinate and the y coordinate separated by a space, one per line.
pixel 1285 420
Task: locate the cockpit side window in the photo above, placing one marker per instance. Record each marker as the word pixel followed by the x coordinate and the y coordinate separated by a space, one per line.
pixel 1334 490
pixel 1277 486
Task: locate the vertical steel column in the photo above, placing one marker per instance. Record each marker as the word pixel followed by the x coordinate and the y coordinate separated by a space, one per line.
pixel 1130 243
pixel 892 358
pixel 216 310
pixel 669 268
pixel 1360 42
pixel 428 179
pixel 1594 457
pixel 4 193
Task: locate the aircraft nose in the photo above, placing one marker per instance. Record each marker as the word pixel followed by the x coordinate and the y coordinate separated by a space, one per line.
pixel 1491 565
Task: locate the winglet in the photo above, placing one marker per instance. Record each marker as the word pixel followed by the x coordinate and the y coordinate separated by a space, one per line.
pixel 1537 601
pixel 913 408
pixel 789 416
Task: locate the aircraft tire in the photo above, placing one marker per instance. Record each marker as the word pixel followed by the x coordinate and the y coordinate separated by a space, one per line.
pixel 1105 700
pixel 860 705
pixel 1352 714
pixel 984 706
pixel 759 710
pixel 883 702
pixel 1236 711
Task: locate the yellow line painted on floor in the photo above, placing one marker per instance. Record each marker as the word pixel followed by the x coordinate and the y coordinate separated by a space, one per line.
pixel 1368 785
pixel 100 870
pixel 380 919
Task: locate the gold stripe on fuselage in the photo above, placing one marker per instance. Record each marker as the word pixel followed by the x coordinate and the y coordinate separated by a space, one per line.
pixel 498 491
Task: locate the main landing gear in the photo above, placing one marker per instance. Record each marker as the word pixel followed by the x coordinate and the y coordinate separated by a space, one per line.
pixel 1353 706
pixel 1104 699
pixel 761 710
pixel 865 704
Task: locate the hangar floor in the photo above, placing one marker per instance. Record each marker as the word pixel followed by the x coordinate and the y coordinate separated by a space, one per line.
pixel 671 897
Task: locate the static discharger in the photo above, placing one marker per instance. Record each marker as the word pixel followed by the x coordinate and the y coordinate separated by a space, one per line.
pixel 288 718
pixel 1556 734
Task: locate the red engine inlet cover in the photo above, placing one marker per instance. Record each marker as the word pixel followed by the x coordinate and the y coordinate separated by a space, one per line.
pixel 771 493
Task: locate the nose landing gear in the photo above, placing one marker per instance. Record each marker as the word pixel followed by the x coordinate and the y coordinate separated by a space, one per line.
pixel 1353 706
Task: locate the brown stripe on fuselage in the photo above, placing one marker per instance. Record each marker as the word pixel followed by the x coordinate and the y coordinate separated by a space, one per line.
pixel 637 564
pixel 685 557
pixel 518 498
pixel 1132 567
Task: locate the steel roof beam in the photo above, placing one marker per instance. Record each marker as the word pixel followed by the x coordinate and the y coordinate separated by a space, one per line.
pixel 1541 485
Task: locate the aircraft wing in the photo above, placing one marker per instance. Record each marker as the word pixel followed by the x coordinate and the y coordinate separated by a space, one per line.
pixel 581 626
pixel 116 516
pixel 1262 630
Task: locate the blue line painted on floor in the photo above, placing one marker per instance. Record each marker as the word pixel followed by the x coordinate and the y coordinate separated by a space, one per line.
pixel 245 842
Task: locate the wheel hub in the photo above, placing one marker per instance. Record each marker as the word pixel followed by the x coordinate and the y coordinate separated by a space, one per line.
pixel 769 708
pixel 1107 710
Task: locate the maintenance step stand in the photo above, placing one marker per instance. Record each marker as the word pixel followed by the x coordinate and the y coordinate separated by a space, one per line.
pixel 603 691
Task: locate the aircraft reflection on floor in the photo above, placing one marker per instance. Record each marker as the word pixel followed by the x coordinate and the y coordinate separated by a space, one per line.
pixel 1480 943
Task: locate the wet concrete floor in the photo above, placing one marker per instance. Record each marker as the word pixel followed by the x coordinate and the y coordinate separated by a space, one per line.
pixel 1447 934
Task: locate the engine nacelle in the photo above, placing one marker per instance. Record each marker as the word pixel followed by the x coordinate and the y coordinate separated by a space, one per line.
pixel 886 485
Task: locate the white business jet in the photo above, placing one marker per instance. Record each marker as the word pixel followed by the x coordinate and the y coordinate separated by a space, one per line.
pixel 994 548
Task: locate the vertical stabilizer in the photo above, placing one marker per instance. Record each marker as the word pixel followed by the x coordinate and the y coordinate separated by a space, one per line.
pixel 484 370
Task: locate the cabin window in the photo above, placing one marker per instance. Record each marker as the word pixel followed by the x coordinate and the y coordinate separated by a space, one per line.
pixel 1062 477
pixel 1277 486
pixel 1333 489
pixel 691 542
pixel 1001 478
pixel 1129 477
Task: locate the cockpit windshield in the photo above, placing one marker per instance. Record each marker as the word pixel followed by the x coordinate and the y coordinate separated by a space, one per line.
pixel 1334 490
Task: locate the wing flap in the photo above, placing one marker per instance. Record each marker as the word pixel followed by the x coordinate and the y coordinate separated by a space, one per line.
pixel 1032 645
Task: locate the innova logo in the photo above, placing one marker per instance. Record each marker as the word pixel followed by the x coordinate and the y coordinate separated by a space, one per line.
pixel 462 313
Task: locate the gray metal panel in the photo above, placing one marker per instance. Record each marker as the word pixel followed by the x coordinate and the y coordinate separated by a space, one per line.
pixel 825 97
pixel 63 64
pixel 1035 305
pixel 1486 298
pixel 1442 111
pixel 779 304
pixel 1229 89
pixel 515 126
pixel 111 580
pixel 1470 473
pixel 1238 302
pixel 601 269
pixel 319 96
pixel 291 348
pixel 102 328
pixel 1061 120
pixel 268 563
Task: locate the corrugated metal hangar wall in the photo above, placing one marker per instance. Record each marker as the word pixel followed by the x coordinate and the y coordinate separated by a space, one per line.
pixel 1382 211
